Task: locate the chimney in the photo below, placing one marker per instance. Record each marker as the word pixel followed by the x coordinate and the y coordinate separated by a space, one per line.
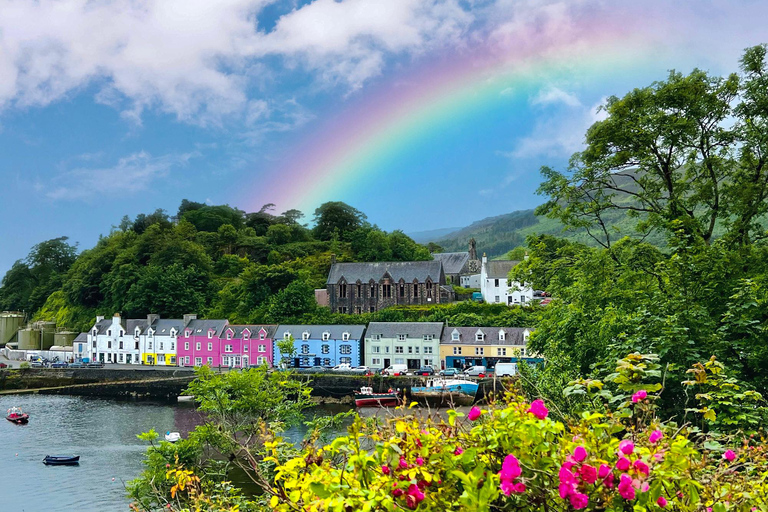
pixel 116 323
pixel 333 259
pixel 485 259
pixel 188 318
pixel 99 319
pixel 152 318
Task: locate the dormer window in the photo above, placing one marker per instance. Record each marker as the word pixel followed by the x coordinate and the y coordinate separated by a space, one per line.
pixel 455 336
pixel 95 332
pixel 136 331
pixel 246 334
pixel 109 332
pixel 305 335
pixel 229 334
pixel 502 336
pixel 262 334
pixel 150 333
pixel 345 336
pixel 286 335
pixel 401 337
pixel 326 336
pixel 186 333
pixel 210 334
pixel 173 333
pixel 479 336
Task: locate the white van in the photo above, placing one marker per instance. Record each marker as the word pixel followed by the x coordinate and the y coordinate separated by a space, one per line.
pixel 395 369
pixel 503 369
pixel 474 371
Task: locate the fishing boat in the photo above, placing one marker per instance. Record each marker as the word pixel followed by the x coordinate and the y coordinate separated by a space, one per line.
pixel 367 398
pixel 172 437
pixel 16 415
pixel 446 391
pixel 61 460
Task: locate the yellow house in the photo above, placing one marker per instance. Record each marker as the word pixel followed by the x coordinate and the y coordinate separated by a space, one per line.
pixel 461 347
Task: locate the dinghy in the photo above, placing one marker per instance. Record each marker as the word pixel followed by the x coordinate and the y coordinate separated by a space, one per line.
pixel 172 437
pixel 17 416
pixel 61 460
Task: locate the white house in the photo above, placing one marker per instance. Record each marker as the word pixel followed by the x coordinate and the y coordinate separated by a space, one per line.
pixel 109 341
pixel 494 285
pixel 159 340
pixel 415 344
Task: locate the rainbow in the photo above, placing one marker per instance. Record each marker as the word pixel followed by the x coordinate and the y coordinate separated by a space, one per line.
pixel 339 153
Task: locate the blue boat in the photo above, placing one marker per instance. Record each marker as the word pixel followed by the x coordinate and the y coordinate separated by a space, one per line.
pixel 446 391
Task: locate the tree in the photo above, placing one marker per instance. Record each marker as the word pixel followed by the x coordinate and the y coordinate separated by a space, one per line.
pixel 297 299
pixel 286 347
pixel 337 218
pixel 672 156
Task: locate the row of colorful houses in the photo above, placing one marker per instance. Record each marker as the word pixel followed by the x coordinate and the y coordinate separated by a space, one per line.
pixel 195 342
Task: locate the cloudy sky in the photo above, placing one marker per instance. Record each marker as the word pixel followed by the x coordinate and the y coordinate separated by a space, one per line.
pixel 422 113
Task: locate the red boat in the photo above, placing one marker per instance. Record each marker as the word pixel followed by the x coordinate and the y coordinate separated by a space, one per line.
pixel 16 415
pixel 367 398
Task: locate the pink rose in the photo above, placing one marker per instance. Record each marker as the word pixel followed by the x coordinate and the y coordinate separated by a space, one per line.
pixel 622 464
pixel 403 464
pixel 578 500
pixel 625 487
pixel 419 461
pixel 729 455
pixel 458 451
pixel 655 436
pixel 538 409
pixel 579 454
pixel 662 501
pixel 510 468
pixel 588 474
pixel 640 395
pixel 397 492
pixel 566 476
pixel 507 487
pixel 604 471
pixel 565 490
pixel 474 413
pixel 626 447
pixel 385 470
pixel 608 481
pixel 641 467
pixel 519 488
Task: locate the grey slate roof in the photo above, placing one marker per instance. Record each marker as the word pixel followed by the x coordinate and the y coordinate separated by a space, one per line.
pixel 409 271
pixel 130 326
pixel 201 327
pixel 255 329
pixel 499 269
pixel 102 326
pixel 163 326
pixel 453 262
pixel 514 335
pixel 410 329
pixel 316 331
pixel 81 338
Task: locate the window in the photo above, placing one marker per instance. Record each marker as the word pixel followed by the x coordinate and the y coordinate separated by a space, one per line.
pixel 210 361
pixel 522 298
pixel 227 348
pixel 386 291
pixel 457 351
pixel 246 334
pixel 345 336
pixel 501 351
pixel 94 343
pixel 136 343
pixel 376 349
pixel 398 350
pixel 455 336
pixel 479 351
pixel 161 345
pixel 245 349
pixel 304 361
pixel 109 358
pixel 358 310
pixel 120 345
pixel 109 343
pixel 359 290
pixel 497 298
pixel 210 334
pixel 305 349
pixel 210 346
pixel 502 336
pixel 109 332
pixel 173 345
pixel 197 346
pixel 427 350
pixel 479 336
pixel 326 336
pixel 345 360
pixel 416 350
pixel 343 310
pixel 343 291
pixel 373 291
pixel 386 349
pixel 401 337
pixel 429 337
pixel 229 334
pixel 410 350
pixel 261 360
pixel 262 335
pixel 120 357
pixel 325 349
pixel 186 360
pixel 262 348
pixel 398 360
pixel 345 349
pixel 327 361
pixel 186 345
pixel 173 359
pixel 305 335
pixel 286 335
pixel 402 290
pixel 198 361
pixel 496 283
pixel 415 290
pixel 373 309
pixel 186 333
pixel 375 360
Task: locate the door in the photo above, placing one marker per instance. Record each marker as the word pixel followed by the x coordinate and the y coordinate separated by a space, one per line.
pixel 128 358
pixel 237 361
pixel 318 361
pixel 413 364
pixel 387 363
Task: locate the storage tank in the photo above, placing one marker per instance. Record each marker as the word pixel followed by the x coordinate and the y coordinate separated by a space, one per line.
pixel 29 339
pixel 48 332
pixel 64 338
pixel 10 323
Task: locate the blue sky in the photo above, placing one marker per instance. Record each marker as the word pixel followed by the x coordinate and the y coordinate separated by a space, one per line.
pixel 119 107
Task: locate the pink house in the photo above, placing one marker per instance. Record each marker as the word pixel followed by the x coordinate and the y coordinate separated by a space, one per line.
pixel 200 343
pixel 244 345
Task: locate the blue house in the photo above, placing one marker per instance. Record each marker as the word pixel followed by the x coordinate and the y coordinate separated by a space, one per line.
pixel 322 345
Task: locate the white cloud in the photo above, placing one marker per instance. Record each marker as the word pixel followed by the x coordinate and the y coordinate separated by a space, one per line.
pixel 131 174
pixel 555 95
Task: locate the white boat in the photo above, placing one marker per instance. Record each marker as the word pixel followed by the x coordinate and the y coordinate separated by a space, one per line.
pixel 185 398
pixel 172 437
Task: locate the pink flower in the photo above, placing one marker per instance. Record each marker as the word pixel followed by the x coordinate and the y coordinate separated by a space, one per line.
pixel 397 492
pixel 625 487
pixel 622 464
pixel 510 468
pixel 604 471
pixel 662 501
pixel 729 455
pixel 538 409
pixel 578 500
pixel 645 487
pixel 403 464
pixel 565 490
pixel 566 476
pixel 588 474
pixel 474 413
pixel 626 447
pixel 519 488
pixel 508 487
pixel 655 436
pixel 458 451
pixel 640 395
pixel 608 481
pixel 579 454
pixel 419 461
pixel 641 467
pixel 659 456
pixel 385 470
pixel 414 496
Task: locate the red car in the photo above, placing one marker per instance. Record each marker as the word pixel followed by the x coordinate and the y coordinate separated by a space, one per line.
pixel 3 365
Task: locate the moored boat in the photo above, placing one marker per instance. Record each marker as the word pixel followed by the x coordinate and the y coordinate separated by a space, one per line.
pixel 172 437
pixel 367 398
pixel 16 415
pixel 61 460
pixel 446 392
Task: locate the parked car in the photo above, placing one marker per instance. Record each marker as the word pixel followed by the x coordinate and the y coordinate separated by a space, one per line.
pixel 95 364
pixel 361 369
pixel 343 367
pixel 3 365
pixel 312 369
pixel 59 364
pixel 37 364
pixel 77 364
pixel 475 371
pixel 425 370
pixel 449 372
pixel 395 369
pixel 504 369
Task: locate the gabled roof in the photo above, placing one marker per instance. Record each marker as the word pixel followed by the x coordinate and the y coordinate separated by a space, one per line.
pixel 316 331
pixel 81 338
pixel 499 269
pixel 131 325
pixel 514 335
pixel 408 271
pixel 255 329
pixel 201 327
pixel 410 329
pixel 163 326
pixel 453 262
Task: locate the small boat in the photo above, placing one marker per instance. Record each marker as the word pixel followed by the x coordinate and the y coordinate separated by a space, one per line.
pixel 367 398
pixel 185 398
pixel 61 460
pixel 172 437
pixel 446 391
pixel 17 416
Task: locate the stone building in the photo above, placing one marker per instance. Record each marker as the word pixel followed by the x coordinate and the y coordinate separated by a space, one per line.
pixel 460 266
pixel 357 288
